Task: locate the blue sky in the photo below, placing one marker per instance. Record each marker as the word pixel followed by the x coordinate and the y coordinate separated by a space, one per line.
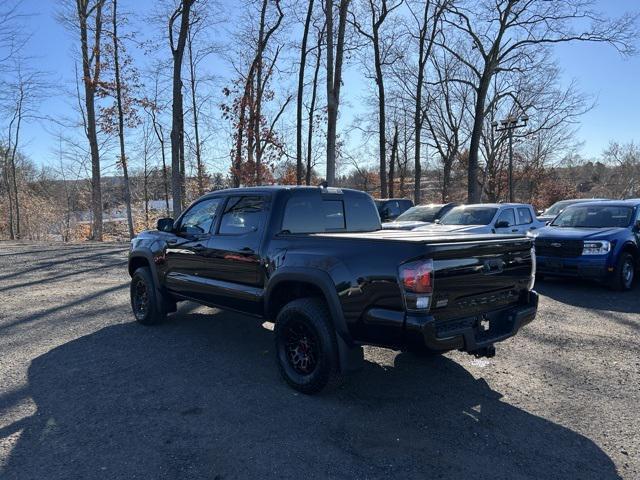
pixel 598 69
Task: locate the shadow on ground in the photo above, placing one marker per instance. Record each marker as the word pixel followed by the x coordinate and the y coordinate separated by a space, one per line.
pixel 200 397
pixel 589 294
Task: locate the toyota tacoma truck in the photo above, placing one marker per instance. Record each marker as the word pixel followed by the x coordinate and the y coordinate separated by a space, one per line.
pixel 316 262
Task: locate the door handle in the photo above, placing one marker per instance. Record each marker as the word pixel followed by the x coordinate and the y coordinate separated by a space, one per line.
pixel 172 241
pixel 515 230
pixel 199 247
pixel 246 250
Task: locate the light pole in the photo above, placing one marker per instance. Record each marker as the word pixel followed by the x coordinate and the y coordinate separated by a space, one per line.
pixel 509 124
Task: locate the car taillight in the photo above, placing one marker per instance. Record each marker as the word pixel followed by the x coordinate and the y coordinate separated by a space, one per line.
pixel 417 277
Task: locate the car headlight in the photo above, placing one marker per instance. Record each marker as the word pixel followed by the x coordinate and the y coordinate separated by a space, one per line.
pixel 596 248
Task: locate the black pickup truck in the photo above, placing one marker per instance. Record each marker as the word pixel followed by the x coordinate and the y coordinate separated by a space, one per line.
pixel 315 261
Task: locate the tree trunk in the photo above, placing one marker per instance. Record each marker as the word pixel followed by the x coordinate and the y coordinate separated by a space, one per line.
pixel 92 57
pixel 382 140
pixel 334 79
pixel 12 160
pixel 312 108
pixel 123 158
pixel 7 182
pixel 392 160
pixel 303 63
pixel 192 70
pixel 177 114
pixel 473 187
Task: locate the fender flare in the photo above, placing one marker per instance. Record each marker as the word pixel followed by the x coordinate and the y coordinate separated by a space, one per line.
pixel 351 355
pixel 148 256
pixel 318 278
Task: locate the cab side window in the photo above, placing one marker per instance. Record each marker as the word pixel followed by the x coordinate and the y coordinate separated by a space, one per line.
pixel 243 215
pixel 507 216
pixel 524 216
pixel 199 219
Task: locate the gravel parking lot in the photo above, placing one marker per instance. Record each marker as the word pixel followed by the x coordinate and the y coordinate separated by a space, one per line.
pixel 85 392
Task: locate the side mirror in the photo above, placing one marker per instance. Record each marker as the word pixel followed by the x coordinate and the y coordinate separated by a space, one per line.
pixel 437 220
pixel 502 224
pixel 165 224
pixel 540 212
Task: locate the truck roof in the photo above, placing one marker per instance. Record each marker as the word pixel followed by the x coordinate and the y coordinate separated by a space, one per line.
pixel 632 202
pixel 276 188
pixel 496 205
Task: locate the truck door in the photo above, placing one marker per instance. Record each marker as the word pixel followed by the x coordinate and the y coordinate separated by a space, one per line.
pixel 233 268
pixel 506 222
pixel 524 220
pixel 186 252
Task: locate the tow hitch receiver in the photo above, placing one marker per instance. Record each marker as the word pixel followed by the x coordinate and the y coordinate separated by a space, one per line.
pixel 488 352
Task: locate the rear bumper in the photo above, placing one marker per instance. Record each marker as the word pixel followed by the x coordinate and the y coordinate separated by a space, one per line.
pixel 468 334
pixel 584 267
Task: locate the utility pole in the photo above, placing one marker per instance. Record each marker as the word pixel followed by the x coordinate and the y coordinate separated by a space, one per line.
pixel 509 124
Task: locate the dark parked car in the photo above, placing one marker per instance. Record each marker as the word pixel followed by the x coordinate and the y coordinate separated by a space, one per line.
pixel 597 240
pixel 419 216
pixel 316 262
pixel 554 210
pixel 391 208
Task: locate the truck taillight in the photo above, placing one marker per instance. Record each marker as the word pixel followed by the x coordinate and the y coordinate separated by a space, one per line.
pixel 417 277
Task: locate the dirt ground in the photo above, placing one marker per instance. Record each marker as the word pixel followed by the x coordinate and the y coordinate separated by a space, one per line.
pixel 85 392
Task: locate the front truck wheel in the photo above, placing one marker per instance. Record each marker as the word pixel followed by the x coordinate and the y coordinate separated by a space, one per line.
pixel 623 274
pixel 306 346
pixel 144 298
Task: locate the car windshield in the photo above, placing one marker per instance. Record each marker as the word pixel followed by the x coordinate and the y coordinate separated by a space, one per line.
pixel 594 216
pixel 469 216
pixel 557 207
pixel 425 213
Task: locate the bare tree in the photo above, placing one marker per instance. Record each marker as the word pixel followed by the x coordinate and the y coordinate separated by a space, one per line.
pixel 426 17
pixel 447 112
pixel 89 15
pixel 254 85
pixel 334 79
pixel 153 108
pixel 119 102
pixel 392 160
pixel 180 14
pixel 312 105
pixel 303 64
pixel 505 33
pixel 378 10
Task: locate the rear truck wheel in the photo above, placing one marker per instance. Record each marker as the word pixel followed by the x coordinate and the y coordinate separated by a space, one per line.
pixel 144 298
pixel 624 272
pixel 306 346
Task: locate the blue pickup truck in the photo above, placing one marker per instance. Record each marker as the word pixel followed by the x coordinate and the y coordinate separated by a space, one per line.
pixel 595 240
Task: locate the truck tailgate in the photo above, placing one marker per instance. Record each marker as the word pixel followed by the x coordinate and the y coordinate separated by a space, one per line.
pixel 471 278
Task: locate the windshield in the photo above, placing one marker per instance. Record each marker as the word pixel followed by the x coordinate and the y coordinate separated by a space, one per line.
pixel 469 216
pixel 420 214
pixel 594 216
pixel 557 207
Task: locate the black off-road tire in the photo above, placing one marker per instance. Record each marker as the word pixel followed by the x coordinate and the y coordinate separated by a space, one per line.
pixel 624 273
pixel 307 318
pixel 144 298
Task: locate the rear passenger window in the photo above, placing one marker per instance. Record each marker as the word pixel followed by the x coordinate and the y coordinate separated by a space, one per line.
pixel 524 216
pixel 243 215
pixel 300 216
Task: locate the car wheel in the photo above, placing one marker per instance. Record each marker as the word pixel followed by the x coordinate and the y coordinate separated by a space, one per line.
pixel 306 346
pixel 624 272
pixel 144 298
